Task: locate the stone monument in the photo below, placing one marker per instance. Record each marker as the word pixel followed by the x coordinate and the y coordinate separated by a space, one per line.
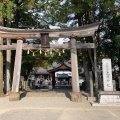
pixel 108 97
pixel 107 75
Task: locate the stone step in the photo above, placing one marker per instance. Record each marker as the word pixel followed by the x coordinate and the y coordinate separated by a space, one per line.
pixel 45 93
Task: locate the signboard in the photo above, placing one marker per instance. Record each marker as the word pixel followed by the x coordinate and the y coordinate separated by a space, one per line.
pixel 45 40
pixel 107 74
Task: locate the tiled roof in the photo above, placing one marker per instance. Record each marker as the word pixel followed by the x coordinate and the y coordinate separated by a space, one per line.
pixel 57 66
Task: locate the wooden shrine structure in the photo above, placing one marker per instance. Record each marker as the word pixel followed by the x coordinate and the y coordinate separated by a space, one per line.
pixel 44 35
pixel 61 67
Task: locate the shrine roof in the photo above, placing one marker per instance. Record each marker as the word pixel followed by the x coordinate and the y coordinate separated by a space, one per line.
pixel 57 67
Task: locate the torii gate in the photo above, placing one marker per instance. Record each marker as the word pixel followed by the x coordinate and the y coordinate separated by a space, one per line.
pixel 71 33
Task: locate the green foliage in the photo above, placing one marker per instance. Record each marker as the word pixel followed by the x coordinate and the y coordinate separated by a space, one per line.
pixel 54 12
pixel 1 9
pixel 117 39
pixel 109 44
pixel 27 4
pixel 42 13
pixel 61 57
pixel 7 10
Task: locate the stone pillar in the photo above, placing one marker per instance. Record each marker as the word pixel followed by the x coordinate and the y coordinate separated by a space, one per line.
pixel 75 95
pixel 8 68
pixel 14 95
pixel 1 70
pixel 1 63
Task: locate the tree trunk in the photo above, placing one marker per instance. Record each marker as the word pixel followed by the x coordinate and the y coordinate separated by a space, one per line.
pixel 91 84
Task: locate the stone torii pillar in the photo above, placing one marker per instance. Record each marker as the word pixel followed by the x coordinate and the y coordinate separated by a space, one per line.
pixel 15 95
pixel 8 68
pixel 75 95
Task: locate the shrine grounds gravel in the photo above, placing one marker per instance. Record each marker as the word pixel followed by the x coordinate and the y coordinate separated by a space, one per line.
pixel 54 108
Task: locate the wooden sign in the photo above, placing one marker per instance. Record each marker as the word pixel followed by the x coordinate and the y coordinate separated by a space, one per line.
pixel 45 40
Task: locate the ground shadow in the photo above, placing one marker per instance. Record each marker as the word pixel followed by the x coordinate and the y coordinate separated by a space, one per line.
pixel 23 94
pixel 68 95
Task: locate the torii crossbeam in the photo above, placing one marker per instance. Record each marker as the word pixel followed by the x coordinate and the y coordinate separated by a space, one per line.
pixel 84 31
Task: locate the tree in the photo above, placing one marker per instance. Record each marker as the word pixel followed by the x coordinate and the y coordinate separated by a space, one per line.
pixel 69 13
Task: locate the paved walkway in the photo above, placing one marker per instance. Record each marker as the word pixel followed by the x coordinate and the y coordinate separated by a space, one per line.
pixel 54 108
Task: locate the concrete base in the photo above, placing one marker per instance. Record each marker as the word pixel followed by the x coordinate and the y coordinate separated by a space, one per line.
pixel 14 96
pixel 76 97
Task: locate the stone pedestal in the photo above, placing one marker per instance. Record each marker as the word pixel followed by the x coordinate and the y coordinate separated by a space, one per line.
pixel 14 96
pixel 109 97
pixel 76 97
pixel 105 99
